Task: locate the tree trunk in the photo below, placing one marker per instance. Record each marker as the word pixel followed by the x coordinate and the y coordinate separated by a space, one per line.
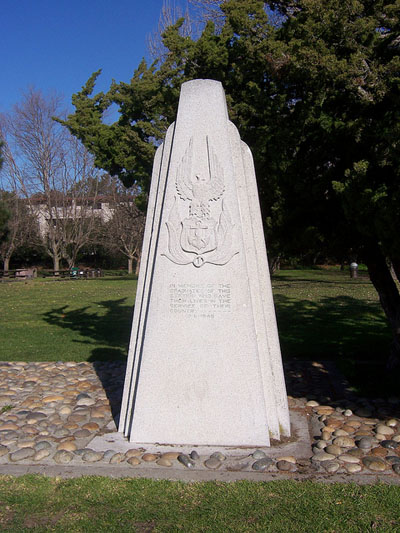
pixel 137 268
pixel 275 264
pixel 56 263
pixel 130 265
pixel 6 264
pixel 389 297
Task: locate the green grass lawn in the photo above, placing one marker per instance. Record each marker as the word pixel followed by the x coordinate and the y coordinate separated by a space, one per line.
pixel 322 314
pixel 109 505
pixel 72 320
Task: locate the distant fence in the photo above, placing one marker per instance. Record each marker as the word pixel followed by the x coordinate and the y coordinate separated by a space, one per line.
pixel 30 273
pixel 19 273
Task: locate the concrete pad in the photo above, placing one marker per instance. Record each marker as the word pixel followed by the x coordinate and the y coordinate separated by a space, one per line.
pixel 298 445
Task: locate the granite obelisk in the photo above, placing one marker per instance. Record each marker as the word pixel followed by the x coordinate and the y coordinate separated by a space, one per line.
pixel 204 364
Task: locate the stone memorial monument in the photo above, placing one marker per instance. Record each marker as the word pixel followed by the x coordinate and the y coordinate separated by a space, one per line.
pixel 204 364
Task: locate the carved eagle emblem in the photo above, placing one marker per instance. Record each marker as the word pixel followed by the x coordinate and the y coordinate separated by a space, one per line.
pixel 198 187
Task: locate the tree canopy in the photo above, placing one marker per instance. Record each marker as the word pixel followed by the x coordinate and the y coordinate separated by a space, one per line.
pixel 314 89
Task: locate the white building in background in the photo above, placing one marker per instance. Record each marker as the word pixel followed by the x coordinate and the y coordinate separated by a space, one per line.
pixel 69 209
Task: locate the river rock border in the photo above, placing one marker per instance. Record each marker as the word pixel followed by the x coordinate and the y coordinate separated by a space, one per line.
pixel 51 412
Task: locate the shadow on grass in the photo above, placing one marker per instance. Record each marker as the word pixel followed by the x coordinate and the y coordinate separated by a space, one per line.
pixel 350 333
pixel 339 327
pixel 107 332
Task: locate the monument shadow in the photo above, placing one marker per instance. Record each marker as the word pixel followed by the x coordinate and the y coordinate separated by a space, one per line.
pixel 108 332
pixel 321 343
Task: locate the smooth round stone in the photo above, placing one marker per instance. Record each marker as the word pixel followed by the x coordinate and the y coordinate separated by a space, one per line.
pixel 344 442
pixel 134 452
pixel 326 435
pixel 392 423
pixel 82 396
pixel 29 430
pixel 11 434
pixel 70 426
pixel 370 423
pixel 35 416
pixel 348 412
pixel 237 465
pixel 349 429
pixel 321 444
pixel 347 458
pixel 26 443
pixel 194 455
pixel 262 464
pixel 333 449
pixel 374 463
pixel 259 454
pixel 382 429
pixel 221 457
pixel 324 410
pixel 8 442
pixel 82 451
pixel 53 398
pixel 340 433
pixel 76 418
pixel 379 452
pixel 286 466
pixel 3 450
pixel 21 454
pixel 331 467
pixel 396 468
pixel 389 444
pixel 365 443
pixel 65 410
pixel 359 434
pixel 82 433
pixel 396 438
pixel 164 462
pixel 171 456
pixel 355 452
pixel 353 468
pixel 84 411
pixel 354 423
pixel 68 446
pixel 287 458
pixel 41 454
pixel 116 458
pixel 322 456
pixel 42 445
pixel 133 461
pixel 212 463
pixel 87 402
pixel 150 457
pixel 92 456
pixel 333 423
pixel 109 453
pixel 8 426
pixel 91 426
pixel 312 403
pixel 186 460
pixel 61 432
pixel 393 459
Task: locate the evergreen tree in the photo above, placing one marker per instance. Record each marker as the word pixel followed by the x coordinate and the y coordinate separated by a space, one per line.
pixel 314 89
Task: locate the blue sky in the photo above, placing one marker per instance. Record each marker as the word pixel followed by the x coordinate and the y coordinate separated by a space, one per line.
pixel 58 44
